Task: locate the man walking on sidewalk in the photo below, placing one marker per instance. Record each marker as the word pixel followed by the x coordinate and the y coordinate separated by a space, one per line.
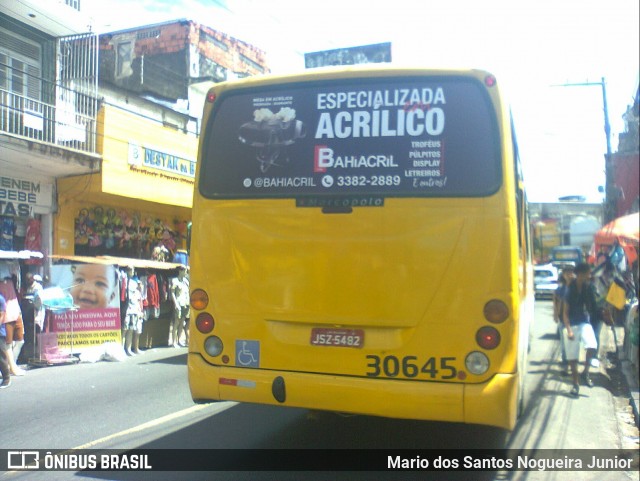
pixel 579 305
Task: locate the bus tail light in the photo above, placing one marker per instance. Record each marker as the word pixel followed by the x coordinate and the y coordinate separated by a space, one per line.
pixel 496 311
pixel 204 322
pixel 199 299
pixel 213 346
pixel 488 337
pixel 211 97
pixel 477 363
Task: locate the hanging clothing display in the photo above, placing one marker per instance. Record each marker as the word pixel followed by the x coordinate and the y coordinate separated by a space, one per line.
pixel 122 232
pixel 33 238
pixel 153 292
pixel 7 228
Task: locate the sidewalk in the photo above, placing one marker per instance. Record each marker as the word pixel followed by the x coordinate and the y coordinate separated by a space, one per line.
pixel 629 372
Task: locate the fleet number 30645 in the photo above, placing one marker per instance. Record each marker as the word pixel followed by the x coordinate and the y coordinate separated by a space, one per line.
pixel 411 367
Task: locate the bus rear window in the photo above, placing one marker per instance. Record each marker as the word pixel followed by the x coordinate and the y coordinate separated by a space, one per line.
pixel 390 137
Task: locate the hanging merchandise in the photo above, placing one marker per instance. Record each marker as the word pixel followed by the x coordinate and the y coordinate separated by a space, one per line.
pixel 7 229
pixel 33 239
pixel 153 296
pixel 616 295
pixel 126 233
pixel 181 257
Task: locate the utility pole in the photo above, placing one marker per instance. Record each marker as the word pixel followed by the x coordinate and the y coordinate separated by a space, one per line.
pixel 610 193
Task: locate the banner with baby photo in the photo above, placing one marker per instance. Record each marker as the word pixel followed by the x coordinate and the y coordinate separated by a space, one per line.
pixel 94 318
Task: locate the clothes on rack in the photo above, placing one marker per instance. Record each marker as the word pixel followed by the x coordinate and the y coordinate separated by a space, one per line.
pixel 154 291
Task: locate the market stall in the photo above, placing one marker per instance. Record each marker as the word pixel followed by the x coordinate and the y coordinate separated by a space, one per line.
pixel 56 302
pixel 616 258
pixel 623 230
pixel 14 266
pixel 100 316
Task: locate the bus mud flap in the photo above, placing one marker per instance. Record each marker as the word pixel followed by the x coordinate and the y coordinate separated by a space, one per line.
pixel 278 389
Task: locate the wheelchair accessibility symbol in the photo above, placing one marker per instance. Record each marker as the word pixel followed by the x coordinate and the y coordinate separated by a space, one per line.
pixel 247 353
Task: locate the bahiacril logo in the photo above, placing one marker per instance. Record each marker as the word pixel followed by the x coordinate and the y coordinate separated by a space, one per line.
pixel 322 159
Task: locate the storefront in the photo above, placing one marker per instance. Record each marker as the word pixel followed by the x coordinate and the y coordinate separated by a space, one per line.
pixel 136 209
pixel 140 201
pixel 26 211
pixel 14 267
pixel 99 300
pixel 26 206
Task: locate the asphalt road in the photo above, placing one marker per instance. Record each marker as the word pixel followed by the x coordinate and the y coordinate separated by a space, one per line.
pixel 144 402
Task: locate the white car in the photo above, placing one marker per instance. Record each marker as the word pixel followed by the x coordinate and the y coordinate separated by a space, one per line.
pixel 545 281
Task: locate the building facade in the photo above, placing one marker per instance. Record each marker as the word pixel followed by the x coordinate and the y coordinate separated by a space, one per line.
pixel 136 209
pixel 563 223
pixel 574 223
pixel 99 136
pixel 141 199
pixel 626 161
pixel 152 82
pixel 48 114
pixel 175 62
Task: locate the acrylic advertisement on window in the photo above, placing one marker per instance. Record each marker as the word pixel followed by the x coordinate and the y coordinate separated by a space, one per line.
pixel 399 137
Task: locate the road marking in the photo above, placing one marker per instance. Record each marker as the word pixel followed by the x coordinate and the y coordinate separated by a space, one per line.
pixel 217 408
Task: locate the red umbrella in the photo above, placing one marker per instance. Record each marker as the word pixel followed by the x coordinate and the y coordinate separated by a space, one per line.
pixel 623 229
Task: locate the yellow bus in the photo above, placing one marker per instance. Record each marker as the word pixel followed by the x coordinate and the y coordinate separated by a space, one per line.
pixel 360 245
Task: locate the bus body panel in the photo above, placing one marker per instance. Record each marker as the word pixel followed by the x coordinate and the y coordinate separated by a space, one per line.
pixel 409 302
pixel 483 403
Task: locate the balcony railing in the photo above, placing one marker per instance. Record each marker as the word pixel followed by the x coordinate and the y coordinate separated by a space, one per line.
pixel 69 124
pixel 75 4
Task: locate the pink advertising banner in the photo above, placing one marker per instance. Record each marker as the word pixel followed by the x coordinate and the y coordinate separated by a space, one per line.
pixel 95 318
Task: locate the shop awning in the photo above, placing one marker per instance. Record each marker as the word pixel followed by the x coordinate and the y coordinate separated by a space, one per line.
pixel 623 229
pixel 20 255
pixel 120 261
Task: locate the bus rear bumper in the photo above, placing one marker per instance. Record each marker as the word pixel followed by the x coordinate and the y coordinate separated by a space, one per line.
pixel 491 403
